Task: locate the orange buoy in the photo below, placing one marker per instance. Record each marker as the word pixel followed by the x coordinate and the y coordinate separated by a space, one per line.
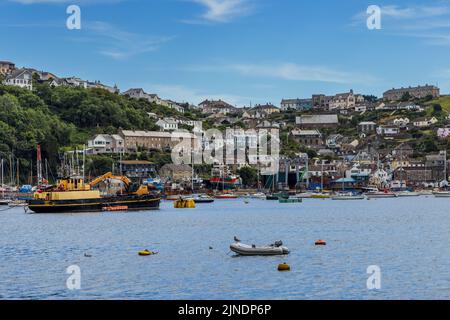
pixel 284 267
pixel 321 243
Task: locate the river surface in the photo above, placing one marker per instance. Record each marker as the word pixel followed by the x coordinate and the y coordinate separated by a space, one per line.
pixel 407 238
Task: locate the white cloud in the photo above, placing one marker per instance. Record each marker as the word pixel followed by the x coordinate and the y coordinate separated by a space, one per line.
pixel 118 44
pixel 288 71
pixel 394 12
pixel 427 22
pixel 220 11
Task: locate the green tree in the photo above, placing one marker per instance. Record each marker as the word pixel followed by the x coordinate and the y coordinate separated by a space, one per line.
pixel 249 176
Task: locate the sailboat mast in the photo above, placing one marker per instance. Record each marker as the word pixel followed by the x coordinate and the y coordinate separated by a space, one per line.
pixel 3 189
pixel 17 172
pixel 39 165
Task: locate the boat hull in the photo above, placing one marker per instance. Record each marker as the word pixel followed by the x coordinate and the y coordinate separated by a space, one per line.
pixel 442 195
pixel 381 196
pixel 133 203
pixel 347 198
pixel 204 200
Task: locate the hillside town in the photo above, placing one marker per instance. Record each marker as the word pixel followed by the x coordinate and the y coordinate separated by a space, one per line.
pixel 346 140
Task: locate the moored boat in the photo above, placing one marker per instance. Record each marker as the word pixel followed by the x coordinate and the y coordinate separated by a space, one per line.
pixel 404 194
pixel 320 196
pixel 442 194
pixel 380 195
pixel 203 199
pixel 259 195
pixel 252 250
pixel 226 196
pixel 73 195
pixel 291 200
pixel 5 202
pixel 347 197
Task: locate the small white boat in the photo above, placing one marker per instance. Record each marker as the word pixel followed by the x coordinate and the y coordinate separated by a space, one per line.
pixel 5 202
pixel 442 194
pixel 258 195
pixel 203 198
pixel 407 194
pixel 276 249
pixel 18 203
pixel 348 197
pixel 304 195
pixel 380 195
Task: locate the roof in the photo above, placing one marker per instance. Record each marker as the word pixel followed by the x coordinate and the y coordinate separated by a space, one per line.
pixel 367 123
pixel 393 90
pixel 306 133
pixel 130 133
pixel 318 119
pixel 155 134
pixel 136 162
pixel 290 101
pixel 168 121
pixel 134 90
pixel 176 167
pixel 17 73
pixel 216 104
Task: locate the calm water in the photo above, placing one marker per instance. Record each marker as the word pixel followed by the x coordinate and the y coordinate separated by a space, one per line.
pixel 407 238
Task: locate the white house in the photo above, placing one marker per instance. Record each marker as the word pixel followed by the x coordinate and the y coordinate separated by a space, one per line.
pixel 167 124
pixel 388 130
pixel 106 143
pixel 20 78
pixel 139 93
pixel 425 123
pixel 401 122
pixel 410 106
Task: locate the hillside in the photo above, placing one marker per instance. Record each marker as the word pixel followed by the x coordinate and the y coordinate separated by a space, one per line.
pixel 64 118
pixel 444 101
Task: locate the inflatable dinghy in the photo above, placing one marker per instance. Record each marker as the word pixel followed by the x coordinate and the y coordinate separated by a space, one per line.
pixel 252 250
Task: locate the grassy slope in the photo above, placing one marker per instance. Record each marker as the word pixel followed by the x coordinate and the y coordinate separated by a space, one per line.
pixel 443 101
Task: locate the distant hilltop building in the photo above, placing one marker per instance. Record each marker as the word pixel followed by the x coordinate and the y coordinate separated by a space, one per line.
pixel 340 101
pixel 7 67
pixel 415 92
pixel 296 104
pixel 267 108
pixel 139 93
pixel 216 106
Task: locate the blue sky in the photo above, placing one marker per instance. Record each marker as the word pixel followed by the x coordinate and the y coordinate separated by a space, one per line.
pixel 239 50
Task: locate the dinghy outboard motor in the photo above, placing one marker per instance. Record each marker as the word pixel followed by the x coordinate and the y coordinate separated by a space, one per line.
pixel 278 244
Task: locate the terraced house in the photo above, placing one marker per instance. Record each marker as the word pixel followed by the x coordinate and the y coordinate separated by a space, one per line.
pixel 418 92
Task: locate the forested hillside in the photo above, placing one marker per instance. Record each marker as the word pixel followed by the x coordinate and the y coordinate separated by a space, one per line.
pixel 64 118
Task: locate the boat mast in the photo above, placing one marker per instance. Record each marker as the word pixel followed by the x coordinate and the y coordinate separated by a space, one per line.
pixel 192 164
pixel 39 165
pixel 84 162
pixel 3 189
pixel 445 165
pixel 321 177
pixel 17 172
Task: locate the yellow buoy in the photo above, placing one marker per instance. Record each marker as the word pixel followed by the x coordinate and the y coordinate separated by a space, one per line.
pixel 184 204
pixel 284 267
pixel 145 253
